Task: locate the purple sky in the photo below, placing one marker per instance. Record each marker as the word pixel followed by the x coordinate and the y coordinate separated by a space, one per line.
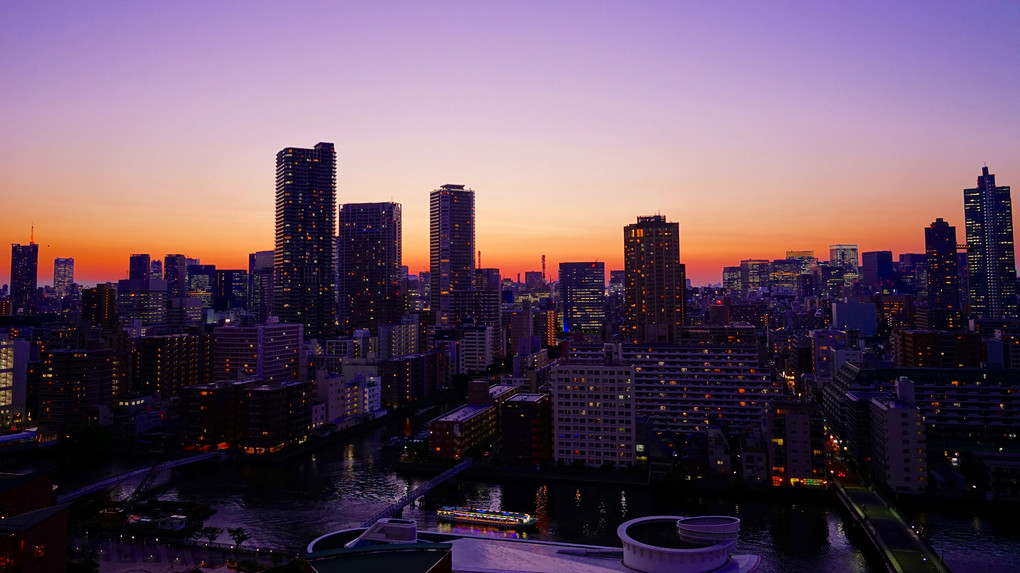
pixel 760 127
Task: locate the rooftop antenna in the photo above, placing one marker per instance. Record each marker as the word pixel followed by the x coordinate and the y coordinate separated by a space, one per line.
pixel 479 259
pixel 31 240
pixel 543 268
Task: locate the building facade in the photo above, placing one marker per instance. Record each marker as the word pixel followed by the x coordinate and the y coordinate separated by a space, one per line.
pixel 369 281
pixel 656 281
pixel 24 277
pixel 304 272
pixel 991 267
pixel 583 296
pixel 451 248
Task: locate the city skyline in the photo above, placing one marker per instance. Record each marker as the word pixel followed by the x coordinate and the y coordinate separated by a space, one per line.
pixel 758 130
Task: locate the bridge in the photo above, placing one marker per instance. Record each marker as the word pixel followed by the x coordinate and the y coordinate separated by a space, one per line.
pixel 901 547
pixel 149 473
pixel 418 492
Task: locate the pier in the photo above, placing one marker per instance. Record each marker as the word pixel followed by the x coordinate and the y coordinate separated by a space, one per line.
pixel 901 547
pixel 418 492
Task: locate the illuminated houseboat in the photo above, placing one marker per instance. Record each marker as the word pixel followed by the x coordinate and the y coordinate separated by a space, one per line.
pixel 507 519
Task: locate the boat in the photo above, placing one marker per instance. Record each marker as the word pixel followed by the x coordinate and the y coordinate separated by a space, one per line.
pixel 505 519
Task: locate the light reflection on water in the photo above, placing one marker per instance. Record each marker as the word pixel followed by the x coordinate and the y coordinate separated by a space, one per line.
pixel 341 486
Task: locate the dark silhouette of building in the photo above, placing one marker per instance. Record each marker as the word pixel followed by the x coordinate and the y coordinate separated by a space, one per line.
pixel 943 281
pixel 656 281
pixel 369 259
pixel 24 277
pixel 99 305
pixel 231 289
pixel 175 273
pixel 260 285
pixel 139 267
pixel 304 279
pixel 877 270
pixel 451 247
pixel 990 262
pixel 583 295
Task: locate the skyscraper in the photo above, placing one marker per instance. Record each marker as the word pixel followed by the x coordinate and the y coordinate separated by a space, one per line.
pixel 63 276
pixel 260 285
pixel 451 247
pixel 877 270
pixel 990 263
pixel 943 281
pixel 845 257
pixel 583 295
pixel 656 281
pixel 24 276
pixel 175 273
pixel 369 257
pixel 304 280
pixel 139 267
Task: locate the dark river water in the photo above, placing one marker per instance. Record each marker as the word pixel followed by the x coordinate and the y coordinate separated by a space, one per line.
pixel 341 486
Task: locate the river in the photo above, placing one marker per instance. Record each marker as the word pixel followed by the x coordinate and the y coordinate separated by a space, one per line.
pixel 340 486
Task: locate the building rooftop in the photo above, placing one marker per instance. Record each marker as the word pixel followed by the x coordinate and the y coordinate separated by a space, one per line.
pixel 463 413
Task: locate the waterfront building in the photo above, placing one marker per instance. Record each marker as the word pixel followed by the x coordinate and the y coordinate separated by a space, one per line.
pixel 656 281
pixel 963 408
pixel 369 279
pixel 410 378
pixel 304 279
pixel 525 426
pixel 63 277
pixel 991 265
pixel 270 352
pixel 278 415
pixel 943 279
pixel 462 431
pixel 24 277
pixel 451 248
pixel 795 438
pixel 594 409
pixel 711 377
pixel 215 417
pixel 899 452
pixel 583 296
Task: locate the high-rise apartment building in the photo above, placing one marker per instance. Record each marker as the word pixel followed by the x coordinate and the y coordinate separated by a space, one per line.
pixel 24 276
pixel 656 281
pixel 990 263
pixel 270 352
pixel 369 258
pixel 260 285
pixel 451 247
pixel 943 281
pixel 63 277
pixel 175 273
pixel 304 271
pixel 583 295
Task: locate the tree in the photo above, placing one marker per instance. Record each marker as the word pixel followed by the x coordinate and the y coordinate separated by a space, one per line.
pixel 239 535
pixel 210 533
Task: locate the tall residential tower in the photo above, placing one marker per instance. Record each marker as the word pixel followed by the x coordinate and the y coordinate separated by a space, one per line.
pixel 451 247
pixel 990 263
pixel 656 281
pixel 369 258
pixel 304 272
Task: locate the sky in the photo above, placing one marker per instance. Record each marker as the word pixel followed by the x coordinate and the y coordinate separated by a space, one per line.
pixel 152 127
